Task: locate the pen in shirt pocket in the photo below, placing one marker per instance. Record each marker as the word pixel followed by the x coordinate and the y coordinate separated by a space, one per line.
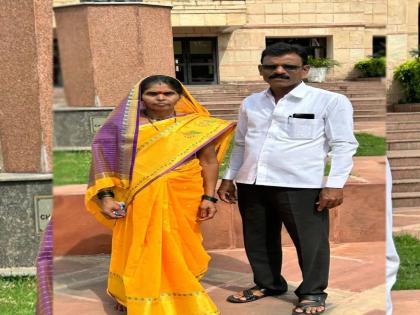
pixel 303 115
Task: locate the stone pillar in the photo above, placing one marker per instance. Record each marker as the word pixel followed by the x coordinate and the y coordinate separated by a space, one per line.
pixel 26 86
pixel 25 130
pixel 105 48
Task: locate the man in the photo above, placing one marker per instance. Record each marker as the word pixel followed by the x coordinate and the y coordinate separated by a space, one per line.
pixel 281 144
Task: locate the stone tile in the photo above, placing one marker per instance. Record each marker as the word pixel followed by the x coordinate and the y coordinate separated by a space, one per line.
pixel 406 302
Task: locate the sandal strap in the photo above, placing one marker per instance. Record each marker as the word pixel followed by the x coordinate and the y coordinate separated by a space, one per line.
pixel 314 298
pixel 248 294
pixel 306 305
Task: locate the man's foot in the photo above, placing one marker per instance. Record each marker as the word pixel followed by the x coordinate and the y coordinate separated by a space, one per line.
pixel 120 308
pixel 309 307
pixel 252 294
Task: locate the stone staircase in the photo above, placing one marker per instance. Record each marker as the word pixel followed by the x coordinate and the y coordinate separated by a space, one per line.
pixel 403 138
pixel 223 101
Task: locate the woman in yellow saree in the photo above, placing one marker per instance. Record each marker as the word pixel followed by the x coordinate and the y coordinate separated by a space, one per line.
pixel 158 153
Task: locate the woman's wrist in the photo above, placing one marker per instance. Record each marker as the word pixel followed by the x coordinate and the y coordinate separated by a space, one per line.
pixel 209 198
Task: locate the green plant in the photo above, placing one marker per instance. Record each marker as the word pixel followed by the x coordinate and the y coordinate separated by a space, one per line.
pixel 372 67
pixel 322 62
pixel 408 75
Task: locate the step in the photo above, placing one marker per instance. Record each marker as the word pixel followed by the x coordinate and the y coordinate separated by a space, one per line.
pixel 404 158
pixel 406 210
pixel 406 144
pixel 378 117
pixel 406 108
pixel 406 199
pixel 403 134
pixel 403 125
pixel 362 112
pixel 405 185
pixel 380 108
pixel 221 103
pixel 394 117
pixel 230 117
pixel 405 172
pixel 219 111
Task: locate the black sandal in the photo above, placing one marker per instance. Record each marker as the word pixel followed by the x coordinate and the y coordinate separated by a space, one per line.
pixel 250 296
pixel 314 301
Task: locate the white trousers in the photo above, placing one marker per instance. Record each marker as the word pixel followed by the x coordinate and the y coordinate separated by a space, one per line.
pixel 392 259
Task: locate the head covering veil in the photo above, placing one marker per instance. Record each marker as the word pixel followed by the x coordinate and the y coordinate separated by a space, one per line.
pixel 114 145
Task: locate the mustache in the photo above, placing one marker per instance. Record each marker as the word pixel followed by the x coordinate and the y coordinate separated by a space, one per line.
pixel 281 76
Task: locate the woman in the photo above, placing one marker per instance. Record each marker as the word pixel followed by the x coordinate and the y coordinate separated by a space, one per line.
pixel 158 152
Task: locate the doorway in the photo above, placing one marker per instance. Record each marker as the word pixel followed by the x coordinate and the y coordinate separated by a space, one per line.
pixel 196 60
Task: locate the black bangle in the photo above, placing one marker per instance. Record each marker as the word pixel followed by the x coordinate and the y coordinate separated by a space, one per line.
pixel 209 198
pixel 105 193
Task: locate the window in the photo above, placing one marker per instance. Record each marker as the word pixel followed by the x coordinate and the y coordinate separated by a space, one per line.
pixel 317 46
pixel 379 46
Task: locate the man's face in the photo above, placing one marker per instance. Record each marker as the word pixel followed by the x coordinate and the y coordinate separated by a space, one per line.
pixel 283 71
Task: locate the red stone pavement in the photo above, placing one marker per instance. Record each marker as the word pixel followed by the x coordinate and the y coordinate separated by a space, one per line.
pixel 356 282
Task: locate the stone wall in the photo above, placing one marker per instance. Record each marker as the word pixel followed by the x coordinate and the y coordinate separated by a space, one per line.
pixel 349 27
pixel 402 29
pixel 242 26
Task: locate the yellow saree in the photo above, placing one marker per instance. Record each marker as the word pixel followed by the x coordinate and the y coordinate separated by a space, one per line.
pixel 157 254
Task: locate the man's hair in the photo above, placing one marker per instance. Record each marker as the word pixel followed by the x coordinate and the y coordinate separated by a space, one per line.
pixel 153 79
pixel 280 49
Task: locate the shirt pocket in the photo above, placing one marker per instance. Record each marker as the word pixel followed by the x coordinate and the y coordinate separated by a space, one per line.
pixel 304 129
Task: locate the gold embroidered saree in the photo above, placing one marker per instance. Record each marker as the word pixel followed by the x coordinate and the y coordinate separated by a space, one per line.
pixel 157 254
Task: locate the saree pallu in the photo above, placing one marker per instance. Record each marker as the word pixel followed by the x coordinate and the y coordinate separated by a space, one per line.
pixel 157 254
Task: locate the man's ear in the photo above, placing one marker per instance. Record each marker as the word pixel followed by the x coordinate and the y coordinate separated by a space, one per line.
pixel 260 69
pixel 305 71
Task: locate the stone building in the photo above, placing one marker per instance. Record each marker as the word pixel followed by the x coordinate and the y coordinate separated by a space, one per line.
pixel 219 41
pixel 402 36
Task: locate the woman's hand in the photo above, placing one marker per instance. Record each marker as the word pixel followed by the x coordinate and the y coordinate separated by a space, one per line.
pixel 111 209
pixel 206 210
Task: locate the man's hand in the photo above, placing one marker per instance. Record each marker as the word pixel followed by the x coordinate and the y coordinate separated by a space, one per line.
pixel 227 191
pixel 330 198
pixel 111 209
pixel 206 211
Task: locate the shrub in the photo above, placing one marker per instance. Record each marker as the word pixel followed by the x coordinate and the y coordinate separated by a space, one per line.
pixel 408 75
pixel 372 67
pixel 322 62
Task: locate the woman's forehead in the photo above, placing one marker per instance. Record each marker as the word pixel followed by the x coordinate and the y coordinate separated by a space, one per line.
pixel 159 87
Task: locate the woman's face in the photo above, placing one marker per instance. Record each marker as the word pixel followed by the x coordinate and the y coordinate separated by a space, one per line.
pixel 160 97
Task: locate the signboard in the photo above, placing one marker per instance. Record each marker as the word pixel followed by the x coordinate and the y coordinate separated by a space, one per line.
pixel 43 212
pixel 96 123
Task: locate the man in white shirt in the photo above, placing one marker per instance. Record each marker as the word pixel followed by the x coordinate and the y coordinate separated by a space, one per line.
pixel 281 144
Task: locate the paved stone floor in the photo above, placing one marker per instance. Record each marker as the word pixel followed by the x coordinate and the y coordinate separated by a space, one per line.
pixel 356 282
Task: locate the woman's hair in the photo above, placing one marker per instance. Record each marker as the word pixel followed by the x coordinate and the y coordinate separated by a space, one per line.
pixel 173 83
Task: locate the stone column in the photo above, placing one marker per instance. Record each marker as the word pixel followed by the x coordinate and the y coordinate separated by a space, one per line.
pixel 105 48
pixel 25 130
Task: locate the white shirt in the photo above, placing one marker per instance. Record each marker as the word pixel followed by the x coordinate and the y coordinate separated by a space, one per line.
pixel 274 149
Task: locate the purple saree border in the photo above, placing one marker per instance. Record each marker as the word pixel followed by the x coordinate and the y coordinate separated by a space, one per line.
pixel 44 264
pixel 135 139
pixel 231 125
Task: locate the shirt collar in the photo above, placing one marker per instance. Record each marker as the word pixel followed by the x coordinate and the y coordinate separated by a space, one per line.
pixel 299 91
